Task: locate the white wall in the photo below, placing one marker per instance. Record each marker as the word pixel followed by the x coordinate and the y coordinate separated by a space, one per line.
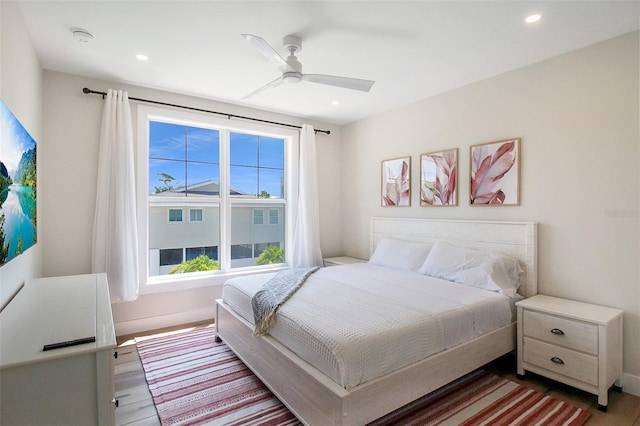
pixel 69 169
pixel 577 115
pixel 21 91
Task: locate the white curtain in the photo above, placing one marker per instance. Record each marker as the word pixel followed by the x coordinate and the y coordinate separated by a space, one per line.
pixel 115 241
pixel 306 235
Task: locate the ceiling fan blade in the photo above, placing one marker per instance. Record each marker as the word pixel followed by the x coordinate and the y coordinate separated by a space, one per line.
pixel 345 82
pixel 277 82
pixel 268 52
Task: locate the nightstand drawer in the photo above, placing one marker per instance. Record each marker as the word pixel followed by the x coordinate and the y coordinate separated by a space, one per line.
pixel 563 361
pixel 561 331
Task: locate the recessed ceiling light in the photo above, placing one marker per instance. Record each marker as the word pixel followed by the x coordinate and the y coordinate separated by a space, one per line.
pixel 141 57
pixel 82 36
pixel 336 102
pixel 533 18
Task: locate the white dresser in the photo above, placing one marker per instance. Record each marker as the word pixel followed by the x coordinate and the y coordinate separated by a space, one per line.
pixel 70 385
pixel 576 343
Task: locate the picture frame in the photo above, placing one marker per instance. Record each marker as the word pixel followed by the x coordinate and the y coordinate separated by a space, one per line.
pixel 396 182
pixel 495 173
pixel 18 177
pixel 439 178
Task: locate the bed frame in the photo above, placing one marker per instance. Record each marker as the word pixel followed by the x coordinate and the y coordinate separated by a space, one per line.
pixel 317 400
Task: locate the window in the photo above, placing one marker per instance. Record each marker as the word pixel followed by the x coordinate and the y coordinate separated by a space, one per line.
pixel 193 167
pixel 258 217
pixel 274 217
pixel 170 256
pixel 195 215
pixel 193 252
pixel 175 215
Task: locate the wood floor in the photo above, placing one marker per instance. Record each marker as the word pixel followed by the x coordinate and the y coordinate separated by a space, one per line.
pixel 136 405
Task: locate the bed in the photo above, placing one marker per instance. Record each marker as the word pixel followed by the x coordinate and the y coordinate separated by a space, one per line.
pixel 323 394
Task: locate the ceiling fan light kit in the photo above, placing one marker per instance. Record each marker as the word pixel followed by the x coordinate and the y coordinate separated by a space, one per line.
pixel 291 68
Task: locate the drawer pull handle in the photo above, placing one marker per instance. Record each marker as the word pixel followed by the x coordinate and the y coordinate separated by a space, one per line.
pixel 557 331
pixel 557 360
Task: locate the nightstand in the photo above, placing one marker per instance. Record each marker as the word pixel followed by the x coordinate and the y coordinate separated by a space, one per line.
pixel 341 260
pixel 579 344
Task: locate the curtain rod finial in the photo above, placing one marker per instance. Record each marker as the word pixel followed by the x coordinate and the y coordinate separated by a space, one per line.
pixel 85 90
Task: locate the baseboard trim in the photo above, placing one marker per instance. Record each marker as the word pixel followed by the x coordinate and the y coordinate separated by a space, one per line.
pixel 631 384
pixel 154 323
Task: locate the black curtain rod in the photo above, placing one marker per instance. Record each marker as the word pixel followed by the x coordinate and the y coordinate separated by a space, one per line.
pixel 103 94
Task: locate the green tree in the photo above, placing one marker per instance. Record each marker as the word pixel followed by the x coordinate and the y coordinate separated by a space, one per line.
pixel 4 249
pixel 264 194
pixel 272 254
pixel 166 179
pixel 200 263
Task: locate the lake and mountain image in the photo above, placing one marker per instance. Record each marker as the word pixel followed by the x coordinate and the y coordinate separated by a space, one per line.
pixel 18 205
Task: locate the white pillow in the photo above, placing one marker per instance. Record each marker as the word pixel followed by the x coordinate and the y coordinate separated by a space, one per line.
pixel 400 254
pixel 490 271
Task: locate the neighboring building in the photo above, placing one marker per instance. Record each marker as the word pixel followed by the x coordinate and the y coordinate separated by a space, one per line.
pixel 183 226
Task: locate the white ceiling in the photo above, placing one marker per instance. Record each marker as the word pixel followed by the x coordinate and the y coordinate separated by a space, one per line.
pixel 412 49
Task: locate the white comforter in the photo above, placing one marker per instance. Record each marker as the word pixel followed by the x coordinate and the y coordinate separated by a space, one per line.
pixel 358 322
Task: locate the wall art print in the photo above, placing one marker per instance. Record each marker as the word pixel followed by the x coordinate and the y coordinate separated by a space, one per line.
pixel 439 178
pixel 396 182
pixel 495 173
pixel 17 187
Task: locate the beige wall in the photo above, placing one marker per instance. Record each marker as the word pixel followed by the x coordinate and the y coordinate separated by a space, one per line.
pixel 21 91
pixel 577 115
pixel 69 168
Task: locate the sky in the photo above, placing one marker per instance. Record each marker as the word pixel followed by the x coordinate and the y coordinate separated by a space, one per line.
pixel 191 155
pixel 14 139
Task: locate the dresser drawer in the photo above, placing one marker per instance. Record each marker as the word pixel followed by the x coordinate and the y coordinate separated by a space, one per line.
pixel 561 331
pixel 563 361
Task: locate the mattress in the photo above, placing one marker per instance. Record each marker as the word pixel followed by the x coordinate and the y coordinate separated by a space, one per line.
pixel 358 322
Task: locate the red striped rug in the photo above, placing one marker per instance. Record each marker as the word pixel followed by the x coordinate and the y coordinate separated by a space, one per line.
pixel 194 380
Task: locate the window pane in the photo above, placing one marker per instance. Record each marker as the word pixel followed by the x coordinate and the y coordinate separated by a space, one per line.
pixel 271 183
pixel 195 215
pixel 271 152
pixel 244 181
pixel 274 215
pixel 243 150
pixel 256 166
pixel 170 256
pixel 203 179
pixel 241 251
pixel 210 252
pixel 203 145
pixel 183 160
pixel 259 248
pixel 175 215
pixel 258 217
pixel 249 235
pixel 166 141
pixel 166 177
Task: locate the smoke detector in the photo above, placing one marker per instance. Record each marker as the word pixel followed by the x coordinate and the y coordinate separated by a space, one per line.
pixel 82 36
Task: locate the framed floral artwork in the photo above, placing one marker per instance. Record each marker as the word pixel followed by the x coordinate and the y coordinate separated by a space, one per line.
pixel 396 182
pixel 439 178
pixel 495 173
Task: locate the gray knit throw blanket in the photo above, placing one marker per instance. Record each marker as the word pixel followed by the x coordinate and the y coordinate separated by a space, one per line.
pixel 273 294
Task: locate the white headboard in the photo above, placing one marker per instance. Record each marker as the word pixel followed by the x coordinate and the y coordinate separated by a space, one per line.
pixel 517 239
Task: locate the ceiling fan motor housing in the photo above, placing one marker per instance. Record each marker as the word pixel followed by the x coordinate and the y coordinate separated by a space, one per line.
pixel 292 42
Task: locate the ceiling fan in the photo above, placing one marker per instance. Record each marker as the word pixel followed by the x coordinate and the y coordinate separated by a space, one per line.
pixel 291 68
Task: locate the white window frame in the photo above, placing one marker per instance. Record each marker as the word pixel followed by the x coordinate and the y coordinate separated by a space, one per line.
pixel 203 279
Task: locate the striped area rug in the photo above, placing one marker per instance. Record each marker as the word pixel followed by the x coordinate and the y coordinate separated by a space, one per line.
pixel 194 380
